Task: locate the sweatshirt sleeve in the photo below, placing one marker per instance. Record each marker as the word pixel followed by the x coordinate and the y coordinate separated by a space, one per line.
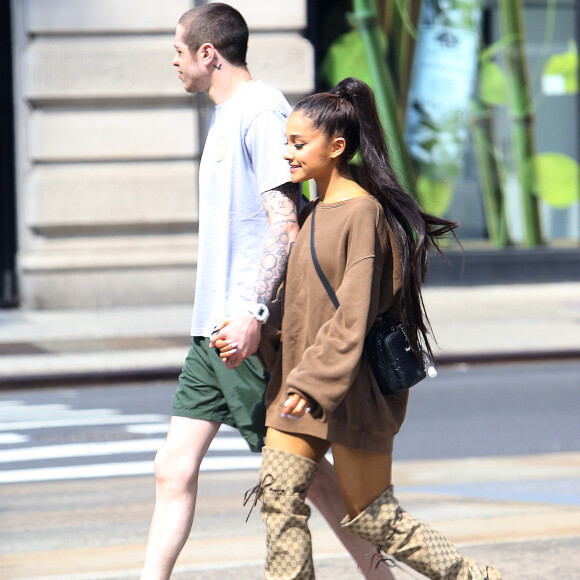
pixel 329 366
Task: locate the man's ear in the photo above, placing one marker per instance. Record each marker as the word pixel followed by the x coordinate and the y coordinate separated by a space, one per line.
pixel 338 146
pixel 207 53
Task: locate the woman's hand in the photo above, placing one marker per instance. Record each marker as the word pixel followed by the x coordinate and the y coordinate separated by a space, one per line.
pixel 212 339
pixel 295 406
pixel 226 347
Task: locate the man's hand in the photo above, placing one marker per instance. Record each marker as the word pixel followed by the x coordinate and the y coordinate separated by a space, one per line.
pixel 238 339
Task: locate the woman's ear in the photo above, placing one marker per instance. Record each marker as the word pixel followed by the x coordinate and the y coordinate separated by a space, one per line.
pixel 337 148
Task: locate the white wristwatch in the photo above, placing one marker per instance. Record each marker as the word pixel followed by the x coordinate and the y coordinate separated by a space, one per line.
pixel 259 311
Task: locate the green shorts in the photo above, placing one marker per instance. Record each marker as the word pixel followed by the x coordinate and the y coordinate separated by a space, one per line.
pixel 208 390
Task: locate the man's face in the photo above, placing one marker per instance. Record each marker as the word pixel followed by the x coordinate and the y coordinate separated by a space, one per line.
pixel 192 73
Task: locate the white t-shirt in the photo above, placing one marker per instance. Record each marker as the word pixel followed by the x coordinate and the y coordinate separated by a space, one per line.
pixel 242 158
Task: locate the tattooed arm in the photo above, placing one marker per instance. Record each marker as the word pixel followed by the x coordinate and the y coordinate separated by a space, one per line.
pixel 244 329
pixel 280 205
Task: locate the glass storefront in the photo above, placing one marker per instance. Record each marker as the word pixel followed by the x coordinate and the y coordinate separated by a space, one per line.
pixel 531 147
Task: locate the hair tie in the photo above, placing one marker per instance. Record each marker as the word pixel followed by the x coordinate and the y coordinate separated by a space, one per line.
pixel 340 100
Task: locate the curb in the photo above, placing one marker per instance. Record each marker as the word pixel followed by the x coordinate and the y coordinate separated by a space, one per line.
pixel 507 357
pixel 87 378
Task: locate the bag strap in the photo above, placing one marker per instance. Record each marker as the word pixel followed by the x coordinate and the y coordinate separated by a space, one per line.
pixel 323 278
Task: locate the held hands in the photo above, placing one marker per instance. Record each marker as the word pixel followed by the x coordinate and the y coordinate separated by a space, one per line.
pixel 225 347
pixel 236 339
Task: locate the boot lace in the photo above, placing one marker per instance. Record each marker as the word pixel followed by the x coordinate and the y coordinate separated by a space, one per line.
pixel 379 557
pixel 396 519
pixel 258 491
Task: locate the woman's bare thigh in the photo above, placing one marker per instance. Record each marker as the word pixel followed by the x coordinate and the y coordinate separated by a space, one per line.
pixel 362 476
pixel 304 445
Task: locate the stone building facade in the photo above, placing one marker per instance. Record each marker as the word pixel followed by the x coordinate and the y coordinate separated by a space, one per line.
pixel 108 144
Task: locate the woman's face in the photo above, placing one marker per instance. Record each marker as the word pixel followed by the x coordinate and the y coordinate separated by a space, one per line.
pixel 308 150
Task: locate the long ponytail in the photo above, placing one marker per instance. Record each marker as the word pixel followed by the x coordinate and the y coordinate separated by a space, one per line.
pixel 349 110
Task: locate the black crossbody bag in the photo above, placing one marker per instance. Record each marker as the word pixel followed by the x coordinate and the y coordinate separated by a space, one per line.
pixel 386 347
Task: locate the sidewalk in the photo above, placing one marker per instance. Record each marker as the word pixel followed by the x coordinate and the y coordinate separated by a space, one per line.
pixel 472 324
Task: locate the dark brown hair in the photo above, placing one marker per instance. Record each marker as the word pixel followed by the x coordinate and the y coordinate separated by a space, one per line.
pixel 219 24
pixel 349 110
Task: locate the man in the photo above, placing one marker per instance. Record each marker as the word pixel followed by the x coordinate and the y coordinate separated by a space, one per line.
pixel 247 223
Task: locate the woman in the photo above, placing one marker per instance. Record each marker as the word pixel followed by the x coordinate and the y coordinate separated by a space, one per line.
pixel 371 241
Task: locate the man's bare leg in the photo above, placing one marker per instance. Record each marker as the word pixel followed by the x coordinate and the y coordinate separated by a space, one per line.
pixel 324 493
pixel 176 474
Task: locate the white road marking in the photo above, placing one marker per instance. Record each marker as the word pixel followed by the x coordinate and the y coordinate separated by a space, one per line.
pixel 226 463
pixel 80 422
pixel 12 438
pixel 94 449
pixel 152 428
pixel 148 429
pixel 17 411
pixel 79 450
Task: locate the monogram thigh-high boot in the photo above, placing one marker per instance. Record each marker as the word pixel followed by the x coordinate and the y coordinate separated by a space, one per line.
pixel 389 527
pixel 285 479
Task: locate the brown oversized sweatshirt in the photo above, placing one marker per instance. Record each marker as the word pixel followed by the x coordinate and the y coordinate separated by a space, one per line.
pixel 321 349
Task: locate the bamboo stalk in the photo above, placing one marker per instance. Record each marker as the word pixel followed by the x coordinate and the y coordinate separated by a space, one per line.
pixel 489 174
pixel 364 18
pixel 405 14
pixel 384 10
pixel 521 107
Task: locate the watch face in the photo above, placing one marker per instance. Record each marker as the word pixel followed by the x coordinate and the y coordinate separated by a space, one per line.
pixel 259 311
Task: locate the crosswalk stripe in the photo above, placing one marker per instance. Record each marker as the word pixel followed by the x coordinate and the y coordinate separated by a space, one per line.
pixel 80 422
pixel 12 438
pixel 148 429
pixel 16 412
pixel 225 463
pixel 152 428
pixel 79 450
pixel 106 448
